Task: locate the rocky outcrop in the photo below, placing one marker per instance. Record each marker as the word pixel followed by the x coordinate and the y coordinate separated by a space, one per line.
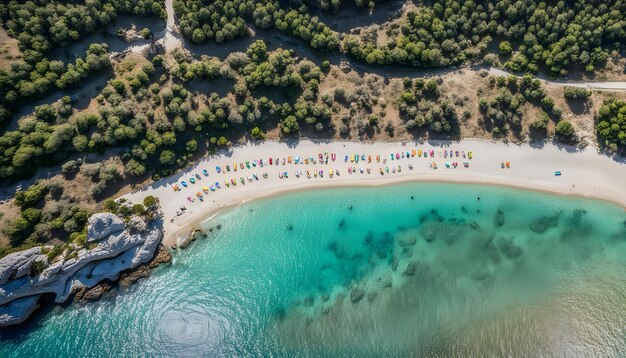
pixel 18 264
pixel 120 247
pixel 18 311
pixel 129 277
pixel 102 225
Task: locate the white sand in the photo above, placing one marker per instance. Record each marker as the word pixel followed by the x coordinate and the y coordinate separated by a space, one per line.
pixel 584 173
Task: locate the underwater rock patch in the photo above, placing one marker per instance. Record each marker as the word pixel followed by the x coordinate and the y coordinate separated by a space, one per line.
pixel 411 268
pixel 447 231
pixel 394 263
pixel 371 296
pixel 406 240
pixel 356 295
pixel 499 219
pixel 368 238
pixel 542 224
pixel 508 248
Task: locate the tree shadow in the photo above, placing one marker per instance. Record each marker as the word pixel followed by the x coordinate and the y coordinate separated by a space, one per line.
pixel 578 106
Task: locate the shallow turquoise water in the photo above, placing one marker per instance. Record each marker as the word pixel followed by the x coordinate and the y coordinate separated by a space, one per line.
pixel 409 270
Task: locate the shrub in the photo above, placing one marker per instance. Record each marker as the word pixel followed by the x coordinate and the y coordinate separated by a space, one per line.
pixel 30 196
pixel 37 267
pixel 505 48
pixel 574 93
pixel 611 124
pixel 564 129
pixel 257 133
pixel 150 201
pixel 70 167
pixel 139 210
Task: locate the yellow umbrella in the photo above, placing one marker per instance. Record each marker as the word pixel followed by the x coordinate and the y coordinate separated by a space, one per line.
pixel 205 188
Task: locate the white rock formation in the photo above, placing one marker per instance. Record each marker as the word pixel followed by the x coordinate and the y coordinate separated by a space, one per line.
pixel 17 264
pixel 102 225
pixel 120 249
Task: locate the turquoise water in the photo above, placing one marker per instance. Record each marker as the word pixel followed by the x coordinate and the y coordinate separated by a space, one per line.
pixel 408 270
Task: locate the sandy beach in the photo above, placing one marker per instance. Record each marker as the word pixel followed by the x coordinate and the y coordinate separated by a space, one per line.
pixel 585 173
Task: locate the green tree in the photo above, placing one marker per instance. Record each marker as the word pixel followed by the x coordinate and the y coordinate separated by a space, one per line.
pixel 565 129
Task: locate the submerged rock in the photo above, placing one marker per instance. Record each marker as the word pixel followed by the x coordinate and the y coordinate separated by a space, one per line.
pixel 371 296
pixel 407 240
pixel 508 248
pixel 542 224
pixel 450 232
pixel 308 301
pixel 356 295
pixel 325 297
pixel 368 238
pixel 499 218
pixel 394 263
pixel 411 268
pixel 428 233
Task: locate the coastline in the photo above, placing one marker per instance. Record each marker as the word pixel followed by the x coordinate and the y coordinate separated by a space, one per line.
pixel 586 173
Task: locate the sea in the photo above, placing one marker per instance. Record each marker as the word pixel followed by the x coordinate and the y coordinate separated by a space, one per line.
pixel 411 270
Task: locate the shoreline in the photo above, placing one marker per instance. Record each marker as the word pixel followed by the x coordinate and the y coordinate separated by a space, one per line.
pixel 586 174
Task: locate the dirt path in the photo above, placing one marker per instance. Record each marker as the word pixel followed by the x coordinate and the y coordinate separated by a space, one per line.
pixel 613 86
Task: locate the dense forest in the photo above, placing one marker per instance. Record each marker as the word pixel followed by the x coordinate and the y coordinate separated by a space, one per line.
pixel 553 36
pixel 220 20
pixel 39 26
pixel 530 35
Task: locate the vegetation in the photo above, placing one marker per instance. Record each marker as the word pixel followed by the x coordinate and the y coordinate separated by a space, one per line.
pixel 611 124
pixel 26 80
pixel 44 217
pixel 503 113
pixel 220 20
pixel 554 35
pixel 40 26
pixel 422 106
pixel 573 93
pixel 565 130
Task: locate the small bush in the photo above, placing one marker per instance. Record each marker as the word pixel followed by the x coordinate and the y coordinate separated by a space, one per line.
pixel 565 130
pixel 573 93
